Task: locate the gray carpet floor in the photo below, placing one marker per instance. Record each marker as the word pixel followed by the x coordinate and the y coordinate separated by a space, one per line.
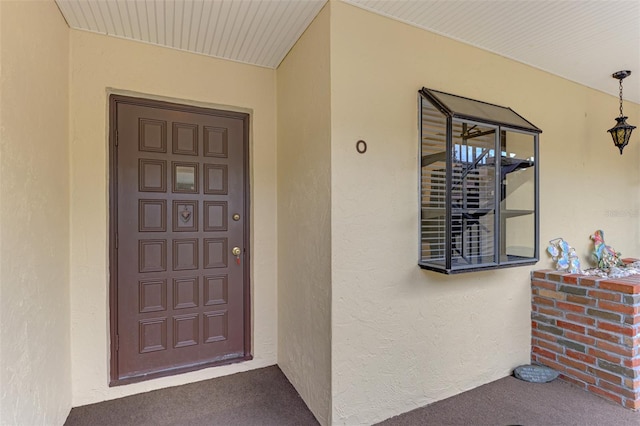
pixel 510 401
pixel 264 397
pixel 258 397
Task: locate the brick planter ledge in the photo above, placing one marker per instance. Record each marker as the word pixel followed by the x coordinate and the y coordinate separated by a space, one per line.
pixel 588 329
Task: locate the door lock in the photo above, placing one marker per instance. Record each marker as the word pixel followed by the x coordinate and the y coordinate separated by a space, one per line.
pixel 236 217
pixel 236 252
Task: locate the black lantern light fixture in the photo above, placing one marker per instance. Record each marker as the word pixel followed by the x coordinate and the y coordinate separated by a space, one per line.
pixel 621 132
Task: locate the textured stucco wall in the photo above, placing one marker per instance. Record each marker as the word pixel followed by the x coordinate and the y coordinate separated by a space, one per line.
pixel 304 226
pixel 35 376
pixel 403 337
pixel 98 63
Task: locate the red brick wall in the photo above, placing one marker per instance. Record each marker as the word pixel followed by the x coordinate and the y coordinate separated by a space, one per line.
pixel 588 329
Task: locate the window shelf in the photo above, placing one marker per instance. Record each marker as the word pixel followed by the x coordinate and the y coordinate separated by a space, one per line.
pixel 429 213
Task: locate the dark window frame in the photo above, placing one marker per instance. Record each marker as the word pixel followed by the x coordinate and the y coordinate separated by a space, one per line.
pixel 496 122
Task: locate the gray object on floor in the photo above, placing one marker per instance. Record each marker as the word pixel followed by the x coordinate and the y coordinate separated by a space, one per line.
pixel 535 373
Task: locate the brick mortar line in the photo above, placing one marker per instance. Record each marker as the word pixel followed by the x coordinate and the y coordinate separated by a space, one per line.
pixel 621 377
pixel 620 386
pixel 623 396
pixel 597 339
pixel 586 315
pixel 619 324
pixel 612 354
pixel 597 384
pixel 597 300
pixel 586 327
pixel 594 366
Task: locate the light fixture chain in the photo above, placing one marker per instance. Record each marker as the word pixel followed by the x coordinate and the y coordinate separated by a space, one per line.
pixel 621 98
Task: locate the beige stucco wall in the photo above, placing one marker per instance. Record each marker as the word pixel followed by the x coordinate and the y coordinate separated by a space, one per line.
pixel 304 225
pixel 403 337
pixel 99 63
pixel 35 360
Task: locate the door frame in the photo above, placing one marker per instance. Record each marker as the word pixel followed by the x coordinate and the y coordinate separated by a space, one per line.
pixel 114 100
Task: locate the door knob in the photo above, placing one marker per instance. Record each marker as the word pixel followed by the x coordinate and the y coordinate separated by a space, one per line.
pixel 236 251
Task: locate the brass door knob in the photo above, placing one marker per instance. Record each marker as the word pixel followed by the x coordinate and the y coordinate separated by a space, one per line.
pixel 236 251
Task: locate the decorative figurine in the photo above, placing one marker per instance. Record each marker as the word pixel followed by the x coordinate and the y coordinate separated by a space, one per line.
pixel 564 255
pixel 605 256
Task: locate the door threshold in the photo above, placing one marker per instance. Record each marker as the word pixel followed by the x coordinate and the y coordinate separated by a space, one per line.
pixel 178 370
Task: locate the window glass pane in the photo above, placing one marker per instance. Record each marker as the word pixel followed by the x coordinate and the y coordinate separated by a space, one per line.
pixel 473 194
pixel 185 177
pixel 517 207
pixel 433 190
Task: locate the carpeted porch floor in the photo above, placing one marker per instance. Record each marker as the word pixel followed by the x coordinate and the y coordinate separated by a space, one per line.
pixel 265 397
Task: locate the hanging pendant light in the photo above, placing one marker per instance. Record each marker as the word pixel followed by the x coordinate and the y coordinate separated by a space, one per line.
pixel 621 132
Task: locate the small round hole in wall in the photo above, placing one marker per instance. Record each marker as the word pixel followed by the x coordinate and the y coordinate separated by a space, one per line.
pixel 361 147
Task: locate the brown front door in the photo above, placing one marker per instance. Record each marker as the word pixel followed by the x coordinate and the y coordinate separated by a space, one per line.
pixel 179 262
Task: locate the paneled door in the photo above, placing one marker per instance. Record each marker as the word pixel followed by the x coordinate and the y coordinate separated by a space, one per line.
pixel 179 227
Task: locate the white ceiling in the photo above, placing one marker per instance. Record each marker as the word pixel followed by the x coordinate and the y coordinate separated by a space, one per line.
pixel 582 40
pixel 258 32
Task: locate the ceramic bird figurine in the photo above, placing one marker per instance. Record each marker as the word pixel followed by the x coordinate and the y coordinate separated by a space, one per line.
pixel 605 256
